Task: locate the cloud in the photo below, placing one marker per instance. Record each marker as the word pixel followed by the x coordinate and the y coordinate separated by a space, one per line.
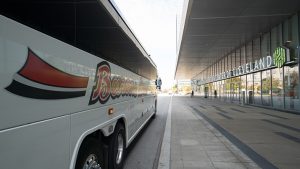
pixel 154 24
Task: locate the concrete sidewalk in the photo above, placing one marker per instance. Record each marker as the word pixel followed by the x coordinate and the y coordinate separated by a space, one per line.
pixel 211 134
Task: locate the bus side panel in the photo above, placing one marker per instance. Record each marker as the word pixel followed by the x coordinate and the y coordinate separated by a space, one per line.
pixel 38 145
pixel 26 115
pixel 16 41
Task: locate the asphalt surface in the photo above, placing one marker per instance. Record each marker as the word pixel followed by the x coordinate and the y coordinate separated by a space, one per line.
pixel 143 153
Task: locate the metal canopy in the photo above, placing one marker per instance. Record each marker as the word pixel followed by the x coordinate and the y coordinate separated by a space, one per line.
pixel 212 28
pixel 94 26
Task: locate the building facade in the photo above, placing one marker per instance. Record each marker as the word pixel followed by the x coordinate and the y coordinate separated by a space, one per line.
pixel 264 71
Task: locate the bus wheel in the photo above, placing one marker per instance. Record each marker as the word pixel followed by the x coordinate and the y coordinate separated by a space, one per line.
pixel 90 155
pixel 117 148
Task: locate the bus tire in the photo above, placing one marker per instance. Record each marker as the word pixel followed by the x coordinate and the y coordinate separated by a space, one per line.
pixel 90 155
pixel 117 148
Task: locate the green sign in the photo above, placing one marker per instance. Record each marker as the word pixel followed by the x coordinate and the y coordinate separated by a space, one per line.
pixel 279 56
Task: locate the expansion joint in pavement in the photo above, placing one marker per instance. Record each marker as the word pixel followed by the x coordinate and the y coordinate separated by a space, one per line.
pixel 258 159
pixel 164 158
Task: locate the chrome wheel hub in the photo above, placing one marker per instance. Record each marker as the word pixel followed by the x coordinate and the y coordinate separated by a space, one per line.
pixel 91 162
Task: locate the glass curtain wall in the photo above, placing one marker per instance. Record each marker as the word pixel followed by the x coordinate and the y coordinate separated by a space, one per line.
pixel 266 45
pixel 291 87
pixel 266 87
pixel 243 88
pixel 231 64
pixel 202 90
pixel 276 37
pixel 222 89
pixel 291 36
pixel 227 84
pixel 277 88
pixel 218 89
pixel 256 54
pixel 277 73
pixel 237 82
pixel 215 90
pixel 210 89
pixel 242 55
pixel 250 89
pixel 237 60
pixel 249 52
pixel 256 49
pixel 291 72
pixel 257 87
pixel 266 75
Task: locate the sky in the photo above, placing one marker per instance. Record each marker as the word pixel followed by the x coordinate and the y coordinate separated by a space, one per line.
pixel 154 24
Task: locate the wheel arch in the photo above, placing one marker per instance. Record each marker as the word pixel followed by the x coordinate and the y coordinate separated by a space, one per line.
pixel 99 132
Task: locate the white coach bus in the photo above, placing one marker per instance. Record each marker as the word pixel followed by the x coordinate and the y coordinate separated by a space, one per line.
pixel 76 85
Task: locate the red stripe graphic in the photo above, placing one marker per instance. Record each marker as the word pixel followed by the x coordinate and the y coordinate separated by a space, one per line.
pixel 39 71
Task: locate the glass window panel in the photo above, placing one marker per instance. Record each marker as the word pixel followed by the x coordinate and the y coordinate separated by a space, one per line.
pixel 237 59
pixel 257 88
pixel 202 90
pixel 231 94
pixel 216 68
pixel 243 55
pixel 295 37
pixel 227 83
pixel 286 31
pixel 236 88
pixel 222 65
pixel 225 63
pixel 214 88
pixel 249 52
pixel 232 61
pixel 243 87
pixel 265 45
pixel 276 37
pixel 291 36
pixel 228 62
pixel 218 88
pixel 210 89
pixel 266 87
pixel 256 49
pixel 291 87
pixel 221 89
pixel 249 91
pixel 277 88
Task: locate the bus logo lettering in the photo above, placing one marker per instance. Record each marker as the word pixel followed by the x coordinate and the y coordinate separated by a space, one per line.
pixel 101 89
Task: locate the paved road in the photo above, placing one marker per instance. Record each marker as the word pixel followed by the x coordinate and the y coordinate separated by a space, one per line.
pixel 144 152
